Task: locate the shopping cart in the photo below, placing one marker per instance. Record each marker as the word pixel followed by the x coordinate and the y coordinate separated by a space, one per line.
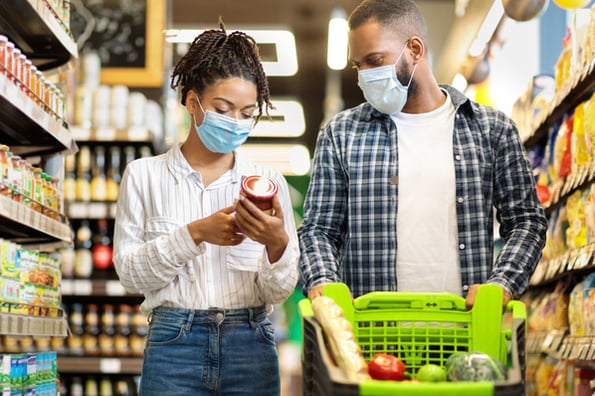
pixel 418 328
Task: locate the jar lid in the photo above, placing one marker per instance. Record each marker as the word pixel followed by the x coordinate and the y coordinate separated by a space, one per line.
pixel 259 186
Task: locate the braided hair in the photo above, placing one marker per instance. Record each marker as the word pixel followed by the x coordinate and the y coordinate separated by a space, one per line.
pixel 215 55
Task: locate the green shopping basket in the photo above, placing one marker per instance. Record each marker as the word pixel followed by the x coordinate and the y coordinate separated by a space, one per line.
pixel 418 328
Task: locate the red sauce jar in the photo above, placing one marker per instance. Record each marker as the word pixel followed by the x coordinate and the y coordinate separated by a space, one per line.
pixel 260 190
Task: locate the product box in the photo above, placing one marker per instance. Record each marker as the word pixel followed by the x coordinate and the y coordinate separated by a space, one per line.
pixel 10 260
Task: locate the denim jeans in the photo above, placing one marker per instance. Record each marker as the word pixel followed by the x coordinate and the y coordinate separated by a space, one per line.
pixel 210 352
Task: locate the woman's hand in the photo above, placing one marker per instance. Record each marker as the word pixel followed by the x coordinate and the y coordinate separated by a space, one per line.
pixel 220 228
pixel 262 227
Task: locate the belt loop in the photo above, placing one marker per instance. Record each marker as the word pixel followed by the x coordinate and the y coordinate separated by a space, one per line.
pixel 251 318
pixel 188 324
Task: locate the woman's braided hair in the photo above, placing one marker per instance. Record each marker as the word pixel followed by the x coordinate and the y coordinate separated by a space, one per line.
pixel 215 55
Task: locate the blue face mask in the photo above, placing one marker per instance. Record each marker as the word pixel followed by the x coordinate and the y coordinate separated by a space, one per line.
pixel 382 89
pixel 222 134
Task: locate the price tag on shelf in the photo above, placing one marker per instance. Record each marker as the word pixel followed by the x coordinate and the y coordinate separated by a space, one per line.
pixel 98 210
pixel 114 288
pixel 66 287
pixel 105 134
pixel 80 133
pixel 82 287
pixel 110 365
pixel 77 210
pixel 137 133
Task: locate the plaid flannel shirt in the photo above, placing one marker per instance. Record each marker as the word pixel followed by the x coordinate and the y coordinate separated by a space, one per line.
pixel 350 213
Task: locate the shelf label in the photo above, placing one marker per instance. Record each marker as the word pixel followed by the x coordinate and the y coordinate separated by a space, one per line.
pixel 110 365
pixel 114 288
pixel 105 134
pixel 82 287
pixel 67 287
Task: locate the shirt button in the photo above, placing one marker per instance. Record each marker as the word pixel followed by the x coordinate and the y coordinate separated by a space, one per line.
pixel 460 199
pixel 465 287
pixel 462 246
pixel 458 157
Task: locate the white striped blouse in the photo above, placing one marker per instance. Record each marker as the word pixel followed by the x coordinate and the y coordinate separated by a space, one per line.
pixel 155 255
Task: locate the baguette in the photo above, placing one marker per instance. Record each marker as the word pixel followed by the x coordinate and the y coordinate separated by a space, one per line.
pixel 339 334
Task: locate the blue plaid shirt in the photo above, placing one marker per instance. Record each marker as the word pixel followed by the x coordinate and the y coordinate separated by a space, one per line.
pixel 350 213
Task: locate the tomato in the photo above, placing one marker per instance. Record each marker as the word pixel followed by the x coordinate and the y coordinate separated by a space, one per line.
pixel 386 367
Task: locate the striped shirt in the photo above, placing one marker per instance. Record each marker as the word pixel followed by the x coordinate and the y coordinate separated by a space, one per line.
pixel 350 213
pixel 155 255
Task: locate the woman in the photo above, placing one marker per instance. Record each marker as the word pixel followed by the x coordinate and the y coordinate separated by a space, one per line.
pixel 209 263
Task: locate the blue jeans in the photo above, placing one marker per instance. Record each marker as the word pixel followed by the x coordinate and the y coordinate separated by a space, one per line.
pixel 210 352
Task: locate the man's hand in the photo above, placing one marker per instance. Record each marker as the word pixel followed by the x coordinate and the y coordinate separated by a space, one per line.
pixel 470 300
pixel 315 291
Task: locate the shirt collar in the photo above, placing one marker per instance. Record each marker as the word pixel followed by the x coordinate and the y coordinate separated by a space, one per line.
pixel 181 169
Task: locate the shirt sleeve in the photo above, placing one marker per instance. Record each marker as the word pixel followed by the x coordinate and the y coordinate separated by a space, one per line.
pixel 523 223
pixel 278 280
pixel 142 265
pixel 321 233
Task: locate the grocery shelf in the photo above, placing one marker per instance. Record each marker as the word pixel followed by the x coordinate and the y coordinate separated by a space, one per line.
pixel 110 134
pixel 37 326
pixel 560 344
pixel 36 30
pixel 94 287
pixel 105 365
pixel 90 210
pixel 26 127
pixel 575 93
pixel 27 227
pixel 580 260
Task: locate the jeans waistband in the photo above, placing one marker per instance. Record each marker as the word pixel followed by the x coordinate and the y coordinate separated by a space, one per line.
pixel 219 314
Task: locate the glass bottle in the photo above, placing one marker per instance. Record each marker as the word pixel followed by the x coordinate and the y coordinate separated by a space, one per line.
pixel 14 176
pixel 83 176
pixel 83 267
pixel 108 329
pixel 91 330
pixel 113 174
pixel 69 178
pixel 77 327
pixel 91 387
pixel 98 187
pixel 129 156
pixel 5 163
pixel 37 189
pixel 105 387
pixel 102 246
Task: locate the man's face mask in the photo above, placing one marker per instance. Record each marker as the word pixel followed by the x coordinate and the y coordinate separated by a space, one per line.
pixel 382 89
pixel 220 133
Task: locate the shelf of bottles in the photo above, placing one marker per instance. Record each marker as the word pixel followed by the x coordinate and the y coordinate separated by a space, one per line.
pixel 93 177
pixel 31 124
pixel 42 28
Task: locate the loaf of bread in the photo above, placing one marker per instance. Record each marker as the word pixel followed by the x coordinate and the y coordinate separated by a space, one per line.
pixel 339 334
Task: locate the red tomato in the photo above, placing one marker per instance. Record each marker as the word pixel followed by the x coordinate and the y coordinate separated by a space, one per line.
pixel 386 367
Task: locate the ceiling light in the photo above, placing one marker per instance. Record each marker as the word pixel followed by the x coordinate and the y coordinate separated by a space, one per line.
pixel 289 159
pixel 336 56
pixel 487 29
pixel 284 41
pixel 287 120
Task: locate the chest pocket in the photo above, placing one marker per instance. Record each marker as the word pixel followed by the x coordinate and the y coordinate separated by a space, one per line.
pixel 244 257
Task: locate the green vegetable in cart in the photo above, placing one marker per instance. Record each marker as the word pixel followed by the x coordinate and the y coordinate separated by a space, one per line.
pixel 386 367
pixel 474 366
pixel 431 373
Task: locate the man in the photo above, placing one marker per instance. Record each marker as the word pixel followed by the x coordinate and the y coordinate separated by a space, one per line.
pixel 404 186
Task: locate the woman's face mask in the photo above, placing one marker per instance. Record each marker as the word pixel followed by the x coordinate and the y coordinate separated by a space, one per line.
pixel 222 134
pixel 382 89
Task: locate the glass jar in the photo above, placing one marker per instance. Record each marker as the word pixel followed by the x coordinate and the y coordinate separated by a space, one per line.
pixel 3 43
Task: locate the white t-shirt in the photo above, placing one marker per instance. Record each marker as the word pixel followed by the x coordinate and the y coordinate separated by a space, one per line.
pixel 427 250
